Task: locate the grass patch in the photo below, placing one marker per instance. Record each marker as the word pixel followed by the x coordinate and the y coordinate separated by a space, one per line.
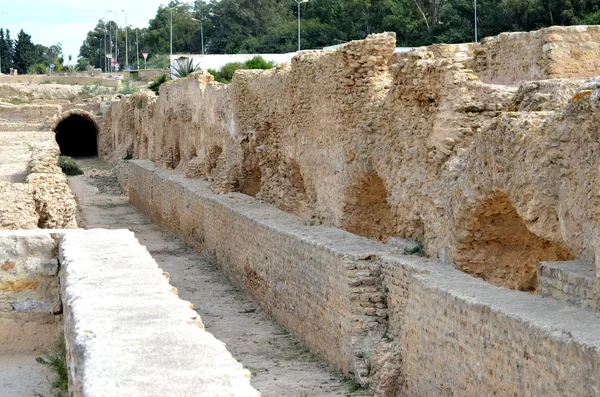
pixel 418 249
pixel 354 386
pixel 69 166
pixel 57 362
pixel 18 101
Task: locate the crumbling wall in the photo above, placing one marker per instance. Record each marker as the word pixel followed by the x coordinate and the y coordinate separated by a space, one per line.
pixel 555 52
pixel 404 324
pixel 493 179
pixel 30 306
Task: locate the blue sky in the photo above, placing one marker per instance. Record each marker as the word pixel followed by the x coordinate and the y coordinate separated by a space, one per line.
pixel 68 21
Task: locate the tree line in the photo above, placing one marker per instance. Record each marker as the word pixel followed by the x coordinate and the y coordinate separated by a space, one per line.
pixel 25 56
pixel 270 26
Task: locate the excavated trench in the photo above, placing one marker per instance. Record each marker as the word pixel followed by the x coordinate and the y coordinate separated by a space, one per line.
pixel 279 363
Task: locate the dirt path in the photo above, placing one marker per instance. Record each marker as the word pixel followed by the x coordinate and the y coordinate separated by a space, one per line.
pixel 280 365
pixel 22 376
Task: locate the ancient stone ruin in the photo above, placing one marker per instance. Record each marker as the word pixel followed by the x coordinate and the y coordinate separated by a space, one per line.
pixel 426 221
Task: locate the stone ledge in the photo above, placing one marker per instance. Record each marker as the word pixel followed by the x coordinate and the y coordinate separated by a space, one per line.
pixel 127 334
pixel 572 282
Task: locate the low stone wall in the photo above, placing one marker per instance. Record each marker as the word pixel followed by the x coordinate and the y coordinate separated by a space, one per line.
pixel 573 282
pixel 30 305
pixel 408 325
pixel 127 333
pixel 75 80
pixel 28 113
pixel 320 283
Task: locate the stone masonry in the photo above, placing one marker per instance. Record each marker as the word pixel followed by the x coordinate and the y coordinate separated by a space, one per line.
pixel 486 153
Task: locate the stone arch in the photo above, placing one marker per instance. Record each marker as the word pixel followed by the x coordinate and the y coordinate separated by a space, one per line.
pixel 365 209
pixel 496 245
pixel 77 133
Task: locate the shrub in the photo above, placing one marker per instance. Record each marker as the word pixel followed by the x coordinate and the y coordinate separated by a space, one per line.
pixel 128 87
pixel 159 61
pixel 57 362
pixel 38 68
pixel 184 68
pixel 155 85
pixel 259 62
pixel 225 75
pixel 69 166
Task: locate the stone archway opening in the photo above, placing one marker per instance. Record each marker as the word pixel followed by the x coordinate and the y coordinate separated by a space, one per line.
pixel 77 136
pixel 366 211
pixel 497 246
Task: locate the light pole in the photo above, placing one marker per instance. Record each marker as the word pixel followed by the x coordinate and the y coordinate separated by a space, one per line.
pixel 137 46
pixel 299 2
pixel 126 48
pixel 212 14
pixel 171 37
pixel 109 60
pixel 116 35
pixel 2 13
pixel 105 57
pixel 475 8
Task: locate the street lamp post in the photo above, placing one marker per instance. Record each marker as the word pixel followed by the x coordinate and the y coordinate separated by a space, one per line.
pixel 171 37
pixel 105 53
pixel 212 14
pixel 116 35
pixel 137 46
pixel 475 8
pixel 299 2
pixel 109 60
pixel 126 47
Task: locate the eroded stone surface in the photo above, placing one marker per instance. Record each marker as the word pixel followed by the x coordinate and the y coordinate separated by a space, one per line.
pixel 128 334
pixel 411 145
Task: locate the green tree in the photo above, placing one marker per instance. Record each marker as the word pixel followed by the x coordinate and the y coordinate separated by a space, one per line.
pixel 24 53
pixel 6 50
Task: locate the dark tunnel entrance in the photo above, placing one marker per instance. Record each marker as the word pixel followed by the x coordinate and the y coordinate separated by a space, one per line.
pixel 77 136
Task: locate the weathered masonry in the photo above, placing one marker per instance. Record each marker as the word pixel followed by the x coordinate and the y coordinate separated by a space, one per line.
pixel 487 154
pixel 126 331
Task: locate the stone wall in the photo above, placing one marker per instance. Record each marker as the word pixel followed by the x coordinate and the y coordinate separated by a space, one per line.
pixel 126 331
pixel 556 52
pixel 76 80
pixel 310 279
pixel 404 324
pixel 573 282
pixel 493 179
pixel 30 305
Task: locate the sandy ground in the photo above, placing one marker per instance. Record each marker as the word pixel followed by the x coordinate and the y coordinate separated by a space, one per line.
pixel 26 92
pixel 22 376
pixel 280 364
